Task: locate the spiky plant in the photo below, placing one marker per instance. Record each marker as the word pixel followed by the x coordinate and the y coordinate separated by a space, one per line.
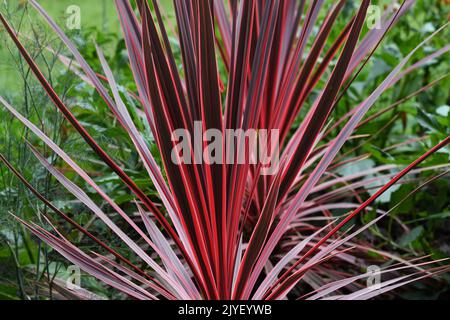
pixel 223 230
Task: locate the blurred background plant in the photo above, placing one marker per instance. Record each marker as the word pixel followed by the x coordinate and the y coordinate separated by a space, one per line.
pixel 31 270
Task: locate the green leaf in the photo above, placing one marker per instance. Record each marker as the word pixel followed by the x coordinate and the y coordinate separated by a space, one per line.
pixel 410 237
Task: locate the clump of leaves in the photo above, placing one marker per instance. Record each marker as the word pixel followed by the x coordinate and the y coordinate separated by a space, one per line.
pixel 225 231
